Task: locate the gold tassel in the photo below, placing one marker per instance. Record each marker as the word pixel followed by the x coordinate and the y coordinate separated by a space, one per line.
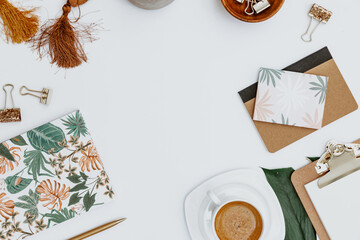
pixel 76 3
pixel 18 25
pixel 62 40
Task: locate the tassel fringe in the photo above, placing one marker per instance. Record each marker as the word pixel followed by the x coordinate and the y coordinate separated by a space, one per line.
pixel 62 40
pixel 18 25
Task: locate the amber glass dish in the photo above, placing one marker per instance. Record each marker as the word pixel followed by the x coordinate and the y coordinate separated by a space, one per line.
pixel 238 10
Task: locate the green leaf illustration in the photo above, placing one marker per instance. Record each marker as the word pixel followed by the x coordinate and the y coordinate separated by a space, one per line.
pixel 19 140
pixel 4 151
pixel 269 75
pixel 59 217
pixel 76 125
pixel 35 161
pixel 88 201
pixel 74 198
pixel 320 87
pixel 84 176
pixel 74 178
pixel 30 203
pixel 284 121
pixel 297 222
pixel 15 184
pixel 47 137
pixel 78 187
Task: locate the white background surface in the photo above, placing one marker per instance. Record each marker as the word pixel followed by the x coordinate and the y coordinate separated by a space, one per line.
pixel 159 94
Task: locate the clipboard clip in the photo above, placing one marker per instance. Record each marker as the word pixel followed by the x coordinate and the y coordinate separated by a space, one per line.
pixel 338 161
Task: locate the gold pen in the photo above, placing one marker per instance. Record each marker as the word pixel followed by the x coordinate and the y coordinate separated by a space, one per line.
pixel 97 229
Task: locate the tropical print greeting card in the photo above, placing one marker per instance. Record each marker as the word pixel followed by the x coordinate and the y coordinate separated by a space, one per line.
pixel 49 175
pixel 290 98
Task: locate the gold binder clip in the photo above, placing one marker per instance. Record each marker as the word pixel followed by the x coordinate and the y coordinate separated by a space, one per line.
pixel 44 94
pixel 9 114
pixel 338 161
pixel 320 14
pixel 256 6
pixel 261 6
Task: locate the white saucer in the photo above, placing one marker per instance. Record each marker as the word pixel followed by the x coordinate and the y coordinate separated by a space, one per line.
pixel 247 185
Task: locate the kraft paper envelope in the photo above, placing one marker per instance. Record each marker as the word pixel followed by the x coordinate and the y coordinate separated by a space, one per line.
pixel 276 136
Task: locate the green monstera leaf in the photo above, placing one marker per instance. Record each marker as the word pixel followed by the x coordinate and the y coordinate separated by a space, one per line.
pixel 4 151
pixel 313 159
pixel 15 184
pixel 297 222
pixel 46 138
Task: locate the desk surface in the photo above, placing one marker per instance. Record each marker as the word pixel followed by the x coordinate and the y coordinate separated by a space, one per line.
pixel 159 94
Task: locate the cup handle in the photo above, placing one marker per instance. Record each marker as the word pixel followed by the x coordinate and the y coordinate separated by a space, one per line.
pixel 214 198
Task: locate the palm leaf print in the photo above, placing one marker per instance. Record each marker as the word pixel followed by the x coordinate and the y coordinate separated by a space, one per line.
pixel 284 121
pixel 320 87
pixel 313 120
pixel 75 125
pixel 262 107
pixel 269 75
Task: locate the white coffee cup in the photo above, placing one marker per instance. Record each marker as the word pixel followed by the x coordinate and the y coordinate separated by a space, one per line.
pixel 220 200
pixel 218 205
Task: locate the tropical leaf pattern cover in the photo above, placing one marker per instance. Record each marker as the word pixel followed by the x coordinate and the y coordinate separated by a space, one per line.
pixel 49 175
pixel 290 98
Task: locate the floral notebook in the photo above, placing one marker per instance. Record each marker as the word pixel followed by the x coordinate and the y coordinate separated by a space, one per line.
pixel 290 98
pixel 49 175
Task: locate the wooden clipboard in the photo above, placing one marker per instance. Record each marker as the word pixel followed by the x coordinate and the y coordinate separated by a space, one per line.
pixel 299 179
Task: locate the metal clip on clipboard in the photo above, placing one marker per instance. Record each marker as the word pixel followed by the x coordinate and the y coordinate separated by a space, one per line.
pixel 338 161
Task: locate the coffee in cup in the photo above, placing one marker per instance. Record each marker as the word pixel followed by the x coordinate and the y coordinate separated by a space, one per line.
pixel 238 220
